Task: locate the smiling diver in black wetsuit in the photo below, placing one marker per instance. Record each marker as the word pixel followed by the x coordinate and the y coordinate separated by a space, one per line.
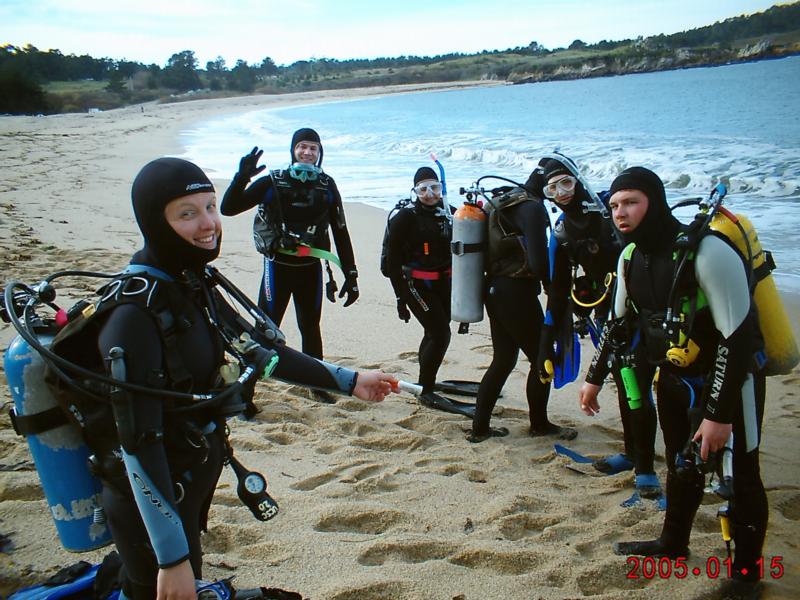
pixel 301 203
pixel 157 487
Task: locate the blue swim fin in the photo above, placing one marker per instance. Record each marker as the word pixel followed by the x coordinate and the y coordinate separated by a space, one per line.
pixel 572 454
pixel 567 360
pixel 74 583
pixel 636 501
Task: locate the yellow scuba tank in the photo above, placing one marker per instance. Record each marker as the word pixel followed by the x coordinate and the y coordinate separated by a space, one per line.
pixel 780 346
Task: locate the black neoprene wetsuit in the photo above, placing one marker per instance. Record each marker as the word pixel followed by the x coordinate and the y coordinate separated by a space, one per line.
pixel 515 316
pixel 587 241
pixel 418 249
pixel 720 385
pixel 307 206
pixel 156 520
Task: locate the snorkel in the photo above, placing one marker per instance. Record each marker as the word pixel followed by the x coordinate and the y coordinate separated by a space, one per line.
pixel 442 177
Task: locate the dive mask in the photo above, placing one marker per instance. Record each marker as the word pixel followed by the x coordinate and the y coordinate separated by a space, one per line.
pixel 304 172
pixel 565 185
pixel 423 189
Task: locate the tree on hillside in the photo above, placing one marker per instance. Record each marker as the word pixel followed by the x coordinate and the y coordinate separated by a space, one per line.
pixel 19 92
pixel 215 71
pixel 181 72
pixel 577 45
pixel 242 77
pixel 267 68
pixel 116 84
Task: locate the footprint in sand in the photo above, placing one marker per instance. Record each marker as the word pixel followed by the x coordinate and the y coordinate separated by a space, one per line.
pixel 607 576
pixel 265 554
pixel 377 591
pixel 516 527
pixel 423 421
pixel 790 508
pixel 473 475
pixel 363 473
pixel 503 563
pixel 361 469
pixel 345 519
pixel 25 487
pixel 443 460
pixel 407 552
pixel 221 539
pixel 312 483
pixel 408 441
pixel 348 427
pixel 407 356
pixel 706 522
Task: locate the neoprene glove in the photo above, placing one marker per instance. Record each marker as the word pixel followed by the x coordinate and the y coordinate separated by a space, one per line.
pixel 546 355
pixel 330 290
pixel 248 165
pixel 350 287
pixel 402 310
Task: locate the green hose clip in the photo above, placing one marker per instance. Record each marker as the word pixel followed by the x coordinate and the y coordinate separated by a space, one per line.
pixel 273 362
pixel 631 387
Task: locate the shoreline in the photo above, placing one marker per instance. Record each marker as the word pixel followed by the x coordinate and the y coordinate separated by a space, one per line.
pixel 377 501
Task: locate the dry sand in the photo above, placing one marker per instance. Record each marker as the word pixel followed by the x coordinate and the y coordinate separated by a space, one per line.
pixel 377 501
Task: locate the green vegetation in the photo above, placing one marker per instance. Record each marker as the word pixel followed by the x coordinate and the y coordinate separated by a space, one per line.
pixel 32 81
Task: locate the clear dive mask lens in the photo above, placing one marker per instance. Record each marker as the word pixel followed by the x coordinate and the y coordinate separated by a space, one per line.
pixel 423 189
pixel 304 172
pixel 565 185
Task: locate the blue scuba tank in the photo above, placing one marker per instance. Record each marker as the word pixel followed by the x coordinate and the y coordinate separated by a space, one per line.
pixel 60 454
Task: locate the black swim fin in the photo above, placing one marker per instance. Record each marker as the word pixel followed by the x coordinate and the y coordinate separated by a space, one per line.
pixel 457 387
pixel 434 400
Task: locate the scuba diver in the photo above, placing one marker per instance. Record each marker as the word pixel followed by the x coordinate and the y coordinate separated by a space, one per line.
pixel 583 252
pixel 418 264
pixel 687 292
pixel 296 207
pixel 169 329
pixel 516 268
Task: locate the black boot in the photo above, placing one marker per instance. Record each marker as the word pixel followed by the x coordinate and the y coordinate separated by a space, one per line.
pixel 684 494
pixel 748 542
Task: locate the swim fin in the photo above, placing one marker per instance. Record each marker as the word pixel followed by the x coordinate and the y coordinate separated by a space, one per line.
pixel 567 358
pixel 636 500
pixel 567 361
pixel 75 581
pixel 434 400
pixel 459 387
pixel 572 454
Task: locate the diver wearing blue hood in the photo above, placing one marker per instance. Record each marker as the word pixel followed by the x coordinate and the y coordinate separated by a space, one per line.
pixel 157 486
pixel 296 208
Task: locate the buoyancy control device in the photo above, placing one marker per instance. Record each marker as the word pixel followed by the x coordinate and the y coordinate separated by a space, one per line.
pixel 55 428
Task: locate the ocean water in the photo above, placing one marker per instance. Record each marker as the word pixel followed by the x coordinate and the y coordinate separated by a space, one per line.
pixel 738 123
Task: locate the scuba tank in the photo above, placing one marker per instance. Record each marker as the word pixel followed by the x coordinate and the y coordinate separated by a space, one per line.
pixel 59 452
pixel 48 392
pixel 469 249
pixel 776 329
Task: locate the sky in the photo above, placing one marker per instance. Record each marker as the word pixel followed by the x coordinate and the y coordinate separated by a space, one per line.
pixel 151 31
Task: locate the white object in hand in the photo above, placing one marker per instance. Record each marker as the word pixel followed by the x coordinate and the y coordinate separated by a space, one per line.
pixel 411 388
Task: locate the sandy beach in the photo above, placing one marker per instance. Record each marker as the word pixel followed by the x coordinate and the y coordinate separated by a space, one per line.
pixel 378 501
